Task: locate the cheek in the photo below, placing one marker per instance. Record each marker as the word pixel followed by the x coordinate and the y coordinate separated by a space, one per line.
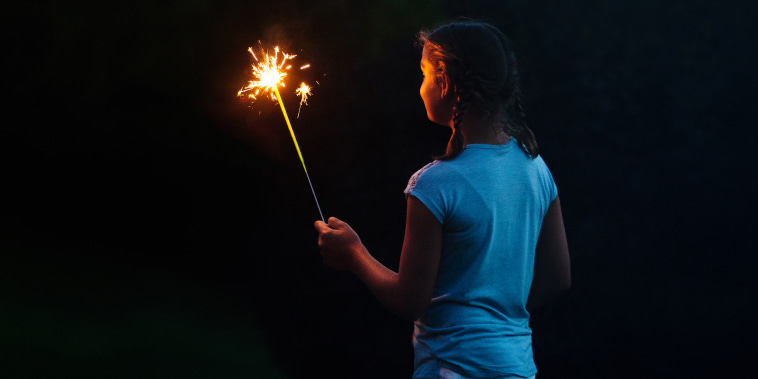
pixel 423 90
pixel 428 101
pixel 427 91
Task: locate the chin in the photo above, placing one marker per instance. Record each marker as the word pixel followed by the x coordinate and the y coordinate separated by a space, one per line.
pixel 442 123
pixel 435 120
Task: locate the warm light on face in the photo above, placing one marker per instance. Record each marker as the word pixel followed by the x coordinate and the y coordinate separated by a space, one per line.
pixel 439 108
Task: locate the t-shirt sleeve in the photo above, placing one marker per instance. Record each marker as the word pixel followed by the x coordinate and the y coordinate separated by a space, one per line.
pixel 424 186
pixel 547 181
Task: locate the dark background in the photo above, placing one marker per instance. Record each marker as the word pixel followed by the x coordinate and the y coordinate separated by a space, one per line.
pixel 154 225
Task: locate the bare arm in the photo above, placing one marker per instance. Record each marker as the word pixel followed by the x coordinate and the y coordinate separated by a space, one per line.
pixel 406 293
pixel 552 265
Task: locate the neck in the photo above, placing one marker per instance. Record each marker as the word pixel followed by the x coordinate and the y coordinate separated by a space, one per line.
pixel 477 129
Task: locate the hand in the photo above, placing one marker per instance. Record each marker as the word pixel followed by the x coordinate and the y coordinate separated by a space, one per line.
pixel 338 242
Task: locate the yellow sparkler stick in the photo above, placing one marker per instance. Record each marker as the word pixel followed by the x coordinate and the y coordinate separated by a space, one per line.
pixel 292 133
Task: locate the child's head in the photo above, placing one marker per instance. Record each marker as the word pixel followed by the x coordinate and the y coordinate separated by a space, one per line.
pixel 477 60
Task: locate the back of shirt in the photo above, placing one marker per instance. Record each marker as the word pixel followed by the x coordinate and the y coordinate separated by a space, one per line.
pixel 490 200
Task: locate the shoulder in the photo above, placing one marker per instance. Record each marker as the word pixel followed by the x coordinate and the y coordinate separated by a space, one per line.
pixel 541 165
pixel 546 177
pixel 432 172
pixel 429 185
pixel 424 169
pixel 413 181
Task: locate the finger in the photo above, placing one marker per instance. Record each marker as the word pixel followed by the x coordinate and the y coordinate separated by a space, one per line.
pixel 335 223
pixel 321 227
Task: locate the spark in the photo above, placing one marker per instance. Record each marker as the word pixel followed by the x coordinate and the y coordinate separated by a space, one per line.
pixel 304 91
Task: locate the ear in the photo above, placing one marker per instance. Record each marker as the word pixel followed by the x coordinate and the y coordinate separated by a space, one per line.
pixel 446 85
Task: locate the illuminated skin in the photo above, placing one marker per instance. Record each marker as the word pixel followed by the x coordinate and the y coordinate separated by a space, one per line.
pixel 436 91
pixel 408 292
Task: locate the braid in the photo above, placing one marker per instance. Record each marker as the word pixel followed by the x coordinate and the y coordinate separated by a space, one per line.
pixel 524 135
pixel 463 100
pixel 515 118
pixel 455 145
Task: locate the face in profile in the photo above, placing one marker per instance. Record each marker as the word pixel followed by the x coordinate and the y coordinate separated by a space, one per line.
pixel 436 93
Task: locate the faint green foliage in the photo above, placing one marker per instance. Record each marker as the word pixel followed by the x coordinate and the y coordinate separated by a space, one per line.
pixel 121 327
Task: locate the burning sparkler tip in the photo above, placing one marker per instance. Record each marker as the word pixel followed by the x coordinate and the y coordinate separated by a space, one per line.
pixel 268 75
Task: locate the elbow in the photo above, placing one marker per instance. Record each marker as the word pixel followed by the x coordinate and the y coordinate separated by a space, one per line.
pixel 412 300
pixel 409 316
pixel 411 311
pixel 561 286
pixel 564 285
pixel 558 289
pixel 561 281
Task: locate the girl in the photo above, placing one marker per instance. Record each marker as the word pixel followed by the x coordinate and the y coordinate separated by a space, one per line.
pixel 484 237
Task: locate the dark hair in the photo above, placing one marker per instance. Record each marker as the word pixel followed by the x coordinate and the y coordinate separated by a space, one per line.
pixel 479 60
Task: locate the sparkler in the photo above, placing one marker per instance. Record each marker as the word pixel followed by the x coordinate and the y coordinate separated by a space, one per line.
pixel 268 75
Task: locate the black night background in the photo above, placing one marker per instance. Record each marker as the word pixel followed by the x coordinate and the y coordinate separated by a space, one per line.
pixel 155 226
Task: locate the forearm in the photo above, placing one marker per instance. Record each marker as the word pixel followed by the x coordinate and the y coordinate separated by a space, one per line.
pixel 407 292
pixel 384 284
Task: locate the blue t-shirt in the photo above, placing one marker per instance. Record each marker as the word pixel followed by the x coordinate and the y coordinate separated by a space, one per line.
pixel 490 200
